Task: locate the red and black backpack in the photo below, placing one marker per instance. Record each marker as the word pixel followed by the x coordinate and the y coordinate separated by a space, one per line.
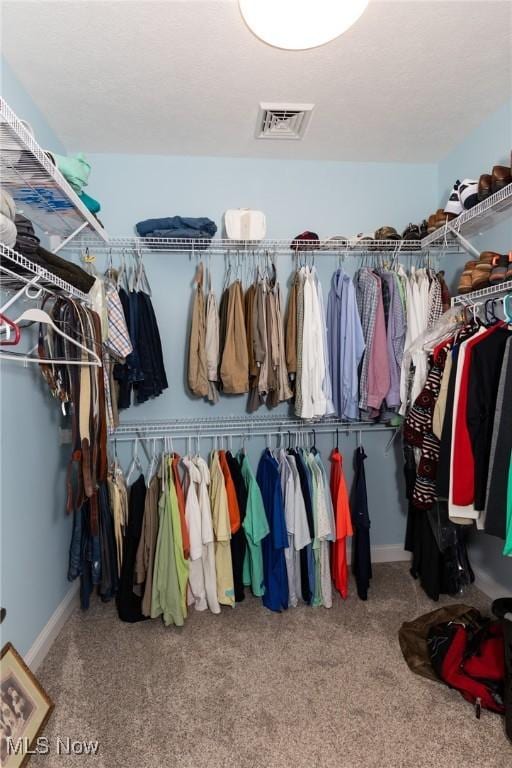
pixel 470 657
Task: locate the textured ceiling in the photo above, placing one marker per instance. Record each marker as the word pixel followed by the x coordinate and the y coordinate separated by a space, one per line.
pixel 406 83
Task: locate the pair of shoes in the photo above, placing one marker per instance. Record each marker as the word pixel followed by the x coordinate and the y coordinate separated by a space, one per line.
pixel 501 268
pixel 490 183
pixel 463 196
pixel 387 233
pixel 438 219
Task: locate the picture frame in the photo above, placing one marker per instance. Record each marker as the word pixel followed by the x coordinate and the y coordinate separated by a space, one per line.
pixel 25 708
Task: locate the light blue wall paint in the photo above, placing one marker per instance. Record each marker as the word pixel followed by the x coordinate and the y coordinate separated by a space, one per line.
pixel 35 531
pixel 488 145
pixel 329 198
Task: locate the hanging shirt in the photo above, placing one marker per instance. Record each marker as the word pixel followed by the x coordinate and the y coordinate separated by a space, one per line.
pixel 361 565
pixel 222 531
pixel 144 563
pixel 307 565
pixel 196 588
pixel 323 532
pixel 288 494
pixel 256 529
pixel 197 365
pixel 177 536
pixel 273 546
pixel 208 555
pixel 238 542
pixel 166 597
pixel 301 536
pixel 340 502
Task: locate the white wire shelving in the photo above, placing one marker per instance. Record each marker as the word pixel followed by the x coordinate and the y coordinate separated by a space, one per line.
pixel 484 293
pixel 477 220
pixel 221 246
pixel 40 191
pixel 17 271
pixel 239 426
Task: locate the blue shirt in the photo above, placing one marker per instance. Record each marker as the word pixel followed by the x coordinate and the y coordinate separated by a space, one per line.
pixel 346 345
pixel 273 545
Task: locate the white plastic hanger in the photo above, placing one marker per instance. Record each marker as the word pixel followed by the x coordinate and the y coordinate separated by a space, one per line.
pixel 135 464
pixel 36 315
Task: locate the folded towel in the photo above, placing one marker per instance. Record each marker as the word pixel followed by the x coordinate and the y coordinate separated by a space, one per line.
pixel 8 231
pixel 201 227
pixel 75 169
pixel 90 203
pixel 7 205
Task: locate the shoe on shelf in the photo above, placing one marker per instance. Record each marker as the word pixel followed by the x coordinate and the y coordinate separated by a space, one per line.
pixel 412 232
pixel 487 257
pixel 465 282
pixel 501 177
pixel 423 229
pixel 454 204
pixel 484 186
pixel 508 276
pixel 468 193
pixel 480 276
pixel 387 233
pixel 499 269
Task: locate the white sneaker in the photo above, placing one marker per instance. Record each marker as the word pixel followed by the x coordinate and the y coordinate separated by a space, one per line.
pixel 468 193
pixel 454 204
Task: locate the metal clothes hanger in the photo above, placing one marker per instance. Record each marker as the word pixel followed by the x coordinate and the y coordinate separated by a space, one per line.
pixel 507 308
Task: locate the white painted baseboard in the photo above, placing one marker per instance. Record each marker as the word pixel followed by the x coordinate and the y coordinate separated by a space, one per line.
pixel 389 553
pixel 488 585
pixel 49 633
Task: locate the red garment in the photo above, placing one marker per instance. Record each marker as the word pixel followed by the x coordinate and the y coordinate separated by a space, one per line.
pixel 463 461
pixel 440 347
pixel 181 505
pixel 234 510
pixel 339 495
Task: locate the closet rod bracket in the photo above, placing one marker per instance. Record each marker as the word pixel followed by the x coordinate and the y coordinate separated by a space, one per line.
pixel 462 240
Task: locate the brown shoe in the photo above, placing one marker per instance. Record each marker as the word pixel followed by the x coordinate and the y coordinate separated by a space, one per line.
pixel 484 186
pixel 387 233
pixel 431 224
pixel 480 276
pixel 500 177
pixel 499 269
pixel 487 257
pixel 465 282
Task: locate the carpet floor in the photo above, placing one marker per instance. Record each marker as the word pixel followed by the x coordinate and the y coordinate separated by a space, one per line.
pixel 254 689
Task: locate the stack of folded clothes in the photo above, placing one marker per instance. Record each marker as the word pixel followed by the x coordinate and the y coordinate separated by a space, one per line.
pixel 27 243
pixel 178 227
pixel 8 230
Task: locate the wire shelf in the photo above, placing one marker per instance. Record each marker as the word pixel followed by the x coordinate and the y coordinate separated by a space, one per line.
pixel 483 216
pixel 221 246
pixel 38 188
pixel 16 270
pixel 239 425
pixel 483 293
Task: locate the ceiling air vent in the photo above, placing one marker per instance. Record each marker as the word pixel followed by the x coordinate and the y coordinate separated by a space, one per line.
pixel 283 121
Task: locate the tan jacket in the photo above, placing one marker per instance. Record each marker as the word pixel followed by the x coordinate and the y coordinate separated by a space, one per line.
pixel 234 368
pixel 197 370
pixel 291 330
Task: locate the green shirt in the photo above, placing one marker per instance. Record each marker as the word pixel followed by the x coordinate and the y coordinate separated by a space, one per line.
pixel 256 528
pixel 166 596
pixel 181 563
pixel 507 549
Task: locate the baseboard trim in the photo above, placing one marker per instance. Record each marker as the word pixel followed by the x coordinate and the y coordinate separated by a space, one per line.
pixel 386 553
pixel 50 631
pixel 488 585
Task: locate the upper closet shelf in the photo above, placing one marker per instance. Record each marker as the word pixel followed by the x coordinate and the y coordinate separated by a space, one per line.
pixel 492 291
pixel 16 270
pixel 41 192
pixel 219 245
pixel 483 216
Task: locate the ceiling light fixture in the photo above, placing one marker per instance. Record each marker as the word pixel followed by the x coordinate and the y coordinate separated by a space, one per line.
pixel 300 24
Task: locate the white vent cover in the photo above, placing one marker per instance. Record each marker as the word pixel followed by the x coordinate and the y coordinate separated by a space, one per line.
pixel 283 121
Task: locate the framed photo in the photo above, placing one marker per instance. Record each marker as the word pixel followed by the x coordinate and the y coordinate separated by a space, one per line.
pixel 24 709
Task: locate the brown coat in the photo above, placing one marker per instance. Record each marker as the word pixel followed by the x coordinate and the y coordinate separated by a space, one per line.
pixel 234 367
pixel 197 368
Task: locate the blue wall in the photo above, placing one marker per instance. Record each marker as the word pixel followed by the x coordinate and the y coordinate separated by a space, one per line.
pixel 488 145
pixel 326 197
pixel 35 531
